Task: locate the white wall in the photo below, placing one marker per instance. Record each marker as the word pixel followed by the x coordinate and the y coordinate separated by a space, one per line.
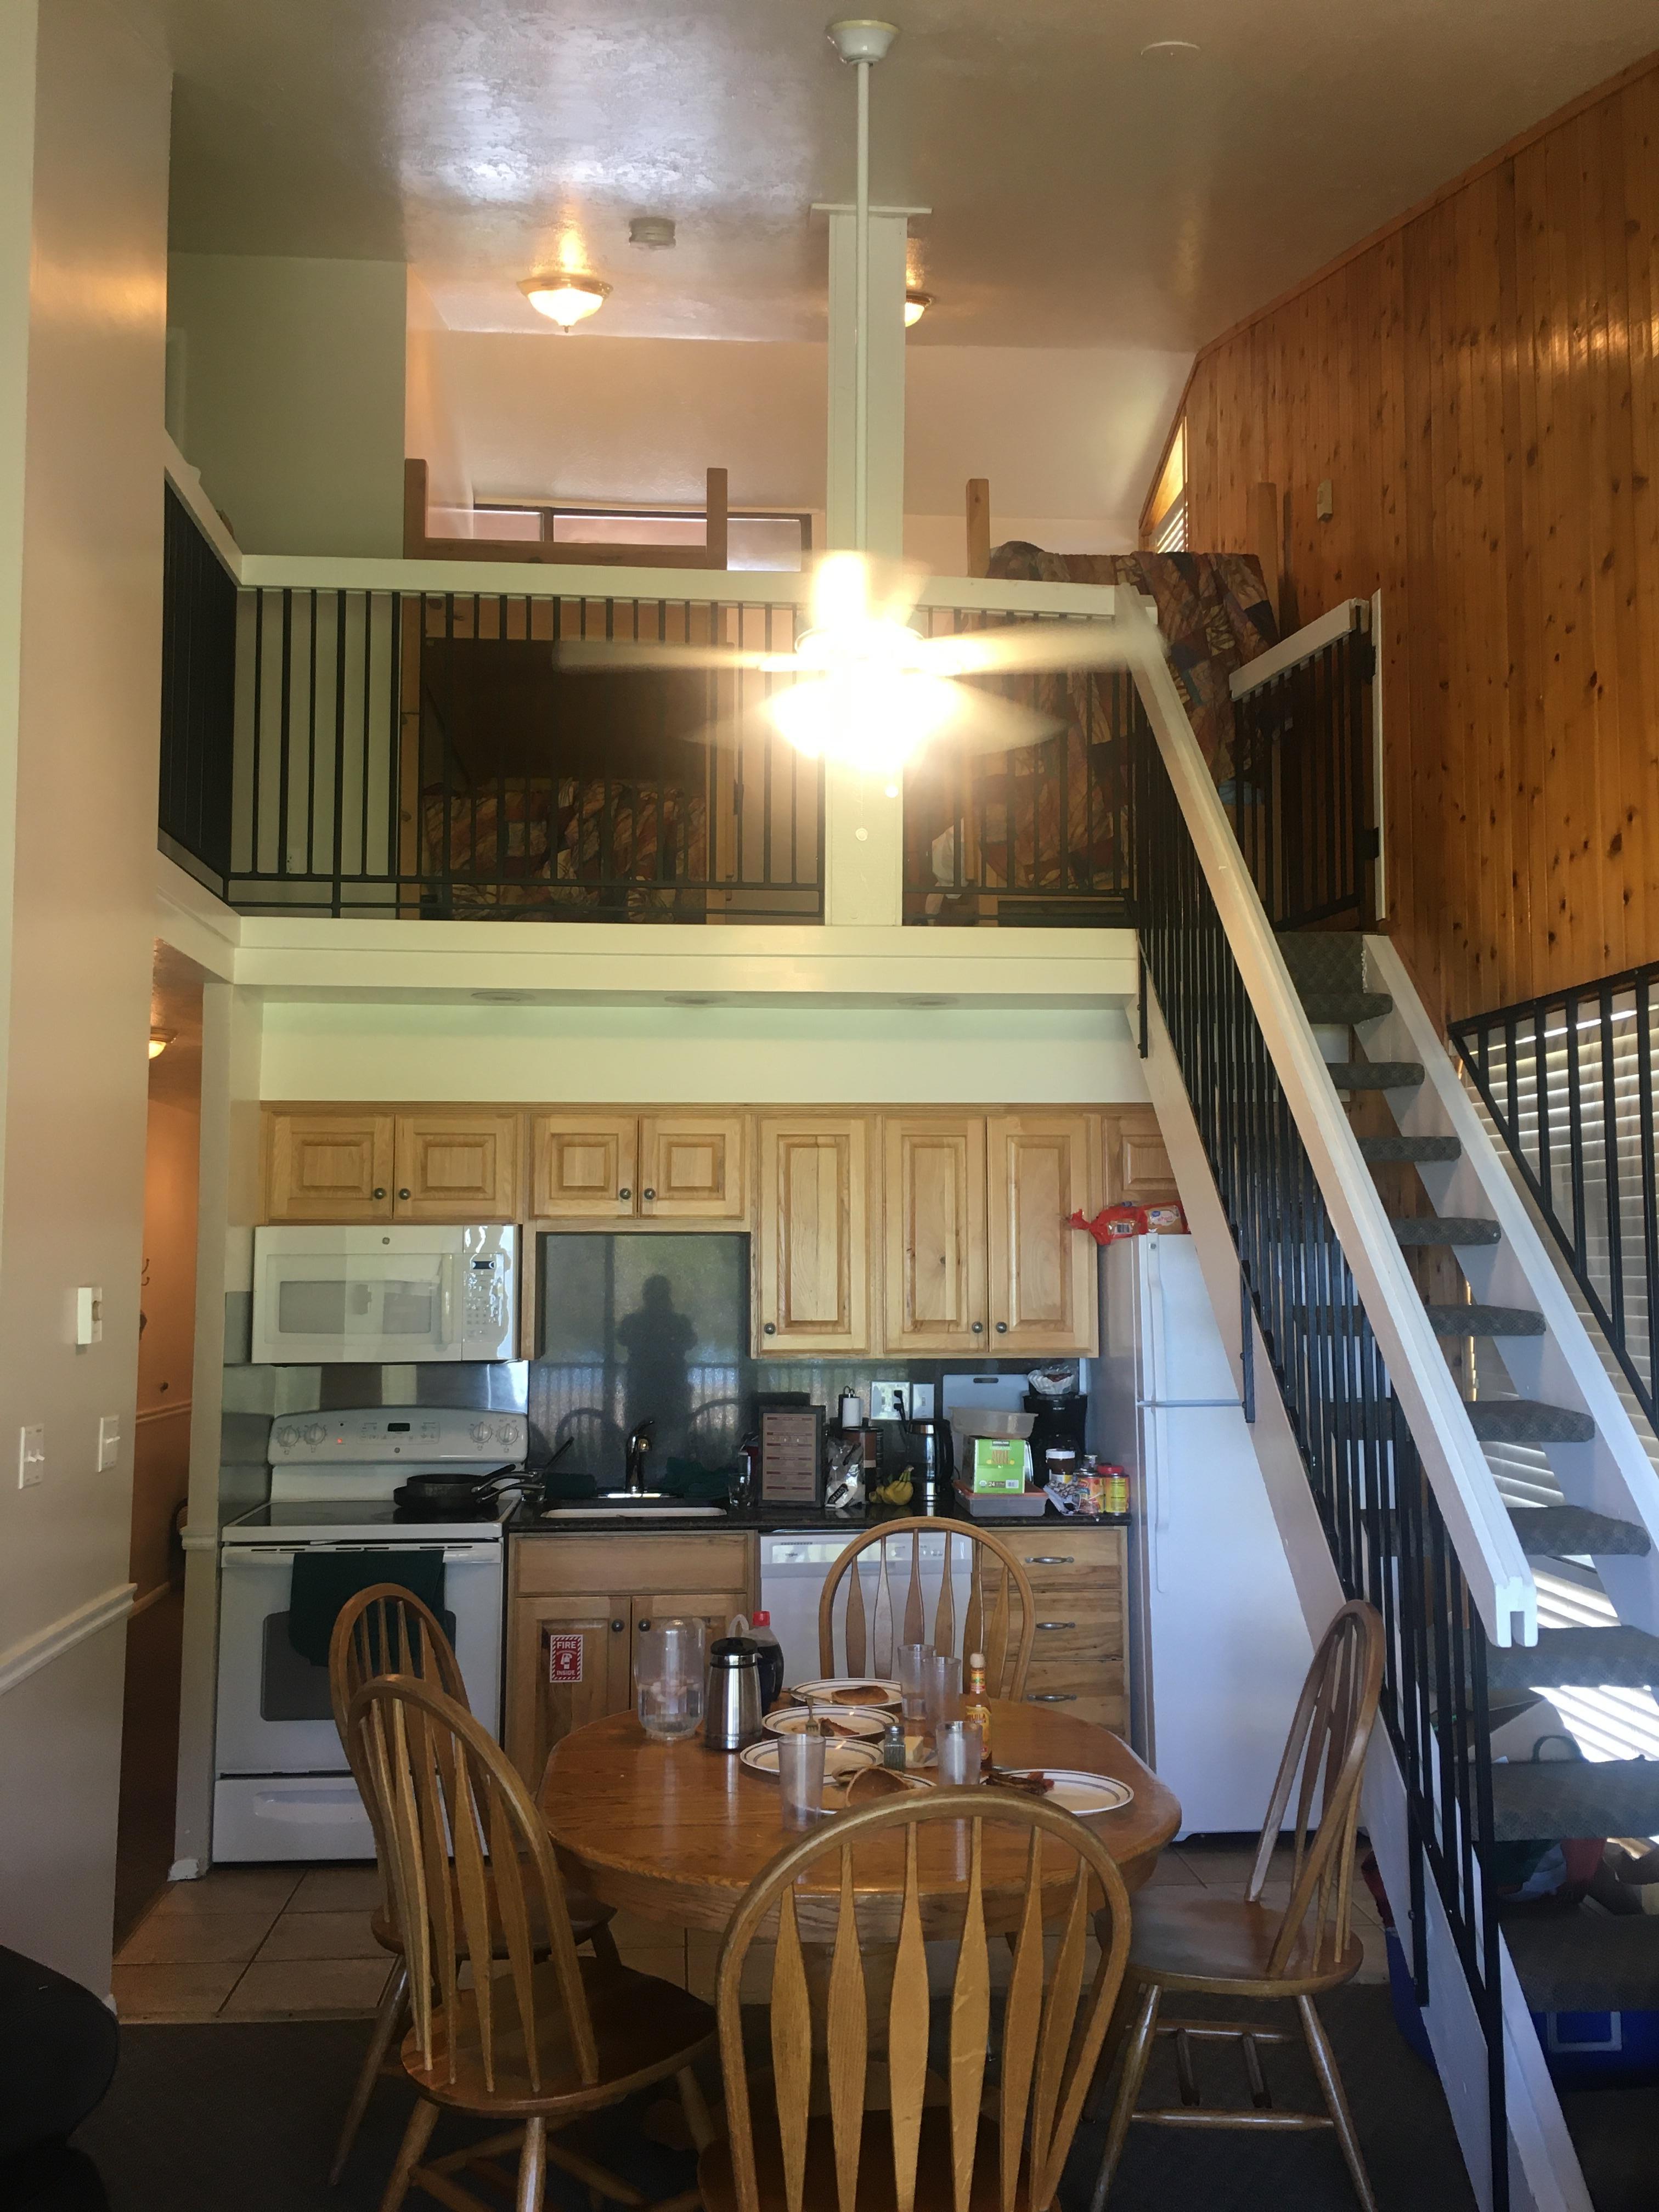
pixel 773 1054
pixel 431 431
pixel 292 377
pixel 83 307
pixel 1067 439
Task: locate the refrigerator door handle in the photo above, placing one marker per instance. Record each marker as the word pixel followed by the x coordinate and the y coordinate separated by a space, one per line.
pixel 1158 1475
pixel 1154 1282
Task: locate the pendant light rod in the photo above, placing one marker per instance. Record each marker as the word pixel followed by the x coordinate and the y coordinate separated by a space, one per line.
pixel 863 41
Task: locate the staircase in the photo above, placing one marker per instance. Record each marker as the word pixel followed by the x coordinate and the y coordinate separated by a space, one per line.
pixel 1574 1474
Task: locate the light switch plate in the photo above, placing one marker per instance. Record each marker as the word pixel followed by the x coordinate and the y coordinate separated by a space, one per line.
pixel 89 1314
pixel 31 1455
pixel 109 1441
pixel 887 1401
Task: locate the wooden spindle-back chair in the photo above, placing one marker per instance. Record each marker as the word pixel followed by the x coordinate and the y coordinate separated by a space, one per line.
pixel 1198 1941
pixel 495 2031
pixel 998 1619
pixel 802 2137
pixel 387 1630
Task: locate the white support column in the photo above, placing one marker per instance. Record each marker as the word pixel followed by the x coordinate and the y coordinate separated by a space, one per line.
pixel 862 840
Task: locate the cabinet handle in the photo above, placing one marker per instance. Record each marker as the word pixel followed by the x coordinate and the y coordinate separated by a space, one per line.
pixel 624 1192
pixel 647 1193
pixel 769 1328
pixel 1002 1328
pixel 1056 1624
pixel 978 1328
pixel 380 1193
pixel 1053 1698
pixel 403 1193
pixel 644 1624
pixel 1049 1560
pixel 617 1626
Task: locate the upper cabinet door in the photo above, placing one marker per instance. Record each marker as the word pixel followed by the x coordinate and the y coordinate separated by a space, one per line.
pixel 583 1166
pixel 1043 1282
pixel 330 1167
pixel 935 1276
pixel 457 1167
pixel 693 1168
pixel 1137 1168
pixel 813 1271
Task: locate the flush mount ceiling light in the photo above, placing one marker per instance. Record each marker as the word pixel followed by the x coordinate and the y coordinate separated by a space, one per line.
pixel 653 230
pixel 916 305
pixel 564 298
pixel 158 1042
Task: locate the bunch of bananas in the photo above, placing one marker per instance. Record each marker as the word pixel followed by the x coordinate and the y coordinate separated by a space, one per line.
pixel 898 1491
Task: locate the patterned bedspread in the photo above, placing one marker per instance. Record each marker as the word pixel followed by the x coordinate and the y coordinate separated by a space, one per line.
pixel 529 841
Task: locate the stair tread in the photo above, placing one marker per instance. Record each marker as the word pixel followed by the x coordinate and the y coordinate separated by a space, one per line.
pixel 1586 1961
pixel 1568 1797
pixel 1527 1421
pixel 1376 1075
pixel 1378 1150
pixel 1445 1229
pixel 1580 1658
pixel 1485 1321
pixel 1556 1532
pixel 1344 1009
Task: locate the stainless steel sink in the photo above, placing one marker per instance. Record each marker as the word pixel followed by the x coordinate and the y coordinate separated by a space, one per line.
pixel 637 1509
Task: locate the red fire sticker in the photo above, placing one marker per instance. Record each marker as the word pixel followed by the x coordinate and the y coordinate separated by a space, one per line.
pixel 564 1658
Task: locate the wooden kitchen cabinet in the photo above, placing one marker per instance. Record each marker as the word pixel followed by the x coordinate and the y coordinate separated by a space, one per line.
pixel 456 1167
pixel 1044 1294
pixel 583 1166
pixel 334 1166
pixel 935 1284
pixel 813 1249
pixel 693 1167
pixel 602 1590
pixel 1138 1171
pixel 1079 1662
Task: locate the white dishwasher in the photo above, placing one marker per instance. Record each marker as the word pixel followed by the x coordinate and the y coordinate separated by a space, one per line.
pixel 792 1575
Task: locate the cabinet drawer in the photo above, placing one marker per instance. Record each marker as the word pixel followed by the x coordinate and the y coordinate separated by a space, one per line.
pixel 1073 1563
pixel 665 1563
pixel 1078 1636
pixel 1111 1711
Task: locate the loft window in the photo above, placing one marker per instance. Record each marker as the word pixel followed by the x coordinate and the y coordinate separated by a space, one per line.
pixel 1166 513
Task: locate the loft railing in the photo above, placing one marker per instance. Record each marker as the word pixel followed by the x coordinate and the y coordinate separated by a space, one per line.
pixel 1409 1508
pixel 1300 796
pixel 1569 1080
pixel 199 691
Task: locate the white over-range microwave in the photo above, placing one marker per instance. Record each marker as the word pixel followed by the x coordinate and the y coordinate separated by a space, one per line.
pixel 409 1292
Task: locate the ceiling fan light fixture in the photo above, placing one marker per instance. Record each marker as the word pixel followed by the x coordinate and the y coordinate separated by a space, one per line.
pixel 916 304
pixel 158 1042
pixel 565 299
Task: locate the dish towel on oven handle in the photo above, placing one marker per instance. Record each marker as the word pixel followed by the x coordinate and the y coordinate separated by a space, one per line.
pixel 324 1581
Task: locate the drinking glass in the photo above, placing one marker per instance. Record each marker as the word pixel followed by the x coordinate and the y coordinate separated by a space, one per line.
pixel 801 1778
pixel 668 1679
pixel 960 1751
pixel 943 1678
pixel 913 1682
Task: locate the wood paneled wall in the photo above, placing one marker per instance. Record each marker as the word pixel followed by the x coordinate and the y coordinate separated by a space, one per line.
pixel 1480 384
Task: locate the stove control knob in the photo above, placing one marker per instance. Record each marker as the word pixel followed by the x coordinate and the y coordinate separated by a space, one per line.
pixel 288 1435
pixel 479 1432
pixel 512 1439
pixel 316 1434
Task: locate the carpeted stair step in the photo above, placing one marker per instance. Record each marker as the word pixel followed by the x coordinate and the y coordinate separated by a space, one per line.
pixel 1376 1075
pixel 1416 1228
pixel 1328 960
pixel 1484 1320
pixel 1523 1421
pixel 1344 1009
pixel 1586 1961
pixel 1381 1150
pixel 1560 1798
pixel 1571 1532
pixel 1576 1658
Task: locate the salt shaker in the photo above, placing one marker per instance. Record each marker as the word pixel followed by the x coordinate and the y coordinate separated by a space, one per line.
pixel 892 1745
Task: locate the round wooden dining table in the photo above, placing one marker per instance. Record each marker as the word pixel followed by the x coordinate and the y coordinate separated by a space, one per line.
pixel 677 1832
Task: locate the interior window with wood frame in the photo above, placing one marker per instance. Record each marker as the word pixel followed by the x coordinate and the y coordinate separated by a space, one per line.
pixel 1163 524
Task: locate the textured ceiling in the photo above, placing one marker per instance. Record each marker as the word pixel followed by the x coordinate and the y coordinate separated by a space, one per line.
pixel 1081 196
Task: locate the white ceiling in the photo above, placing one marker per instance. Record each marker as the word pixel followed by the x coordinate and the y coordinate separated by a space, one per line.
pixel 1082 195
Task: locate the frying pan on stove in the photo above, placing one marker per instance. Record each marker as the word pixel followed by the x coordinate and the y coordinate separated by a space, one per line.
pixel 438 1495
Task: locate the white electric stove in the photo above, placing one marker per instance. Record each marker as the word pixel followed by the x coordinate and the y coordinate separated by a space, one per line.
pixel 282 1789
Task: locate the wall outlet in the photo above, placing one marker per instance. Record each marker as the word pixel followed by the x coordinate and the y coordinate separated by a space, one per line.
pixel 888 1401
pixel 109 1441
pixel 31 1455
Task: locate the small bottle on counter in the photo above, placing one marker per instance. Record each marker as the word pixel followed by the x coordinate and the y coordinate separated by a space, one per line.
pixel 975 1708
pixel 892 1745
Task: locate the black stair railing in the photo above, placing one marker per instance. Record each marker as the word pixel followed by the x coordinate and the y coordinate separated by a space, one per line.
pixel 1380 1515
pixel 1569 1080
pixel 198 698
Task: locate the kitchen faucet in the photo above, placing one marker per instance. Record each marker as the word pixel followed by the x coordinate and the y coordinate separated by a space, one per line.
pixel 639 1443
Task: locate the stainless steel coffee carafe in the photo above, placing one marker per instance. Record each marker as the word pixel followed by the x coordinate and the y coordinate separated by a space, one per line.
pixel 731 1717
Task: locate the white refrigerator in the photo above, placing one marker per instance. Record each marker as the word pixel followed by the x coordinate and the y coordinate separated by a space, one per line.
pixel 1219 1645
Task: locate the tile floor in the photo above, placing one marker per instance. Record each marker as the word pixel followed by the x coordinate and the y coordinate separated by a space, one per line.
pixel 294 1943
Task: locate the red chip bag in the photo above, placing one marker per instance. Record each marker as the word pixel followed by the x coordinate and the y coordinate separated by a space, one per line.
pixel 1112 1222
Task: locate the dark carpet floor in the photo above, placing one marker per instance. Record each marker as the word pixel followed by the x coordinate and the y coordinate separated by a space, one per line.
pixel 202 2118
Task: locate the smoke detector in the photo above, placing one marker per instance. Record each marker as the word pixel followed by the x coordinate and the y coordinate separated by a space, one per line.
pixel 656 231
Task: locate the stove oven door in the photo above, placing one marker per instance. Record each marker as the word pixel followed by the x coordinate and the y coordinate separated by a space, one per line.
pixel 282 1791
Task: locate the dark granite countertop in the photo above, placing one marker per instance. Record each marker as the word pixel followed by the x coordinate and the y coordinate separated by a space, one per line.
pixel 778 1521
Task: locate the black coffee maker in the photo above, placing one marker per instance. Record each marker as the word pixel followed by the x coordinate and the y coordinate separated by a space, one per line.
pixel 1059 1426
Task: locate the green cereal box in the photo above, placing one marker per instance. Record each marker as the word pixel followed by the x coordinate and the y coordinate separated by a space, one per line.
pixel 998 1463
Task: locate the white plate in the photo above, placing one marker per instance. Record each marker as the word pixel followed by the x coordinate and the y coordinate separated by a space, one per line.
pixel 858 1723
pixel 883 1692
pixel 839 1759
pixel 1082 1793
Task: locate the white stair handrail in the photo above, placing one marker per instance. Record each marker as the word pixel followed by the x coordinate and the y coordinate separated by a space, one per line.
pixel 1495 1567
